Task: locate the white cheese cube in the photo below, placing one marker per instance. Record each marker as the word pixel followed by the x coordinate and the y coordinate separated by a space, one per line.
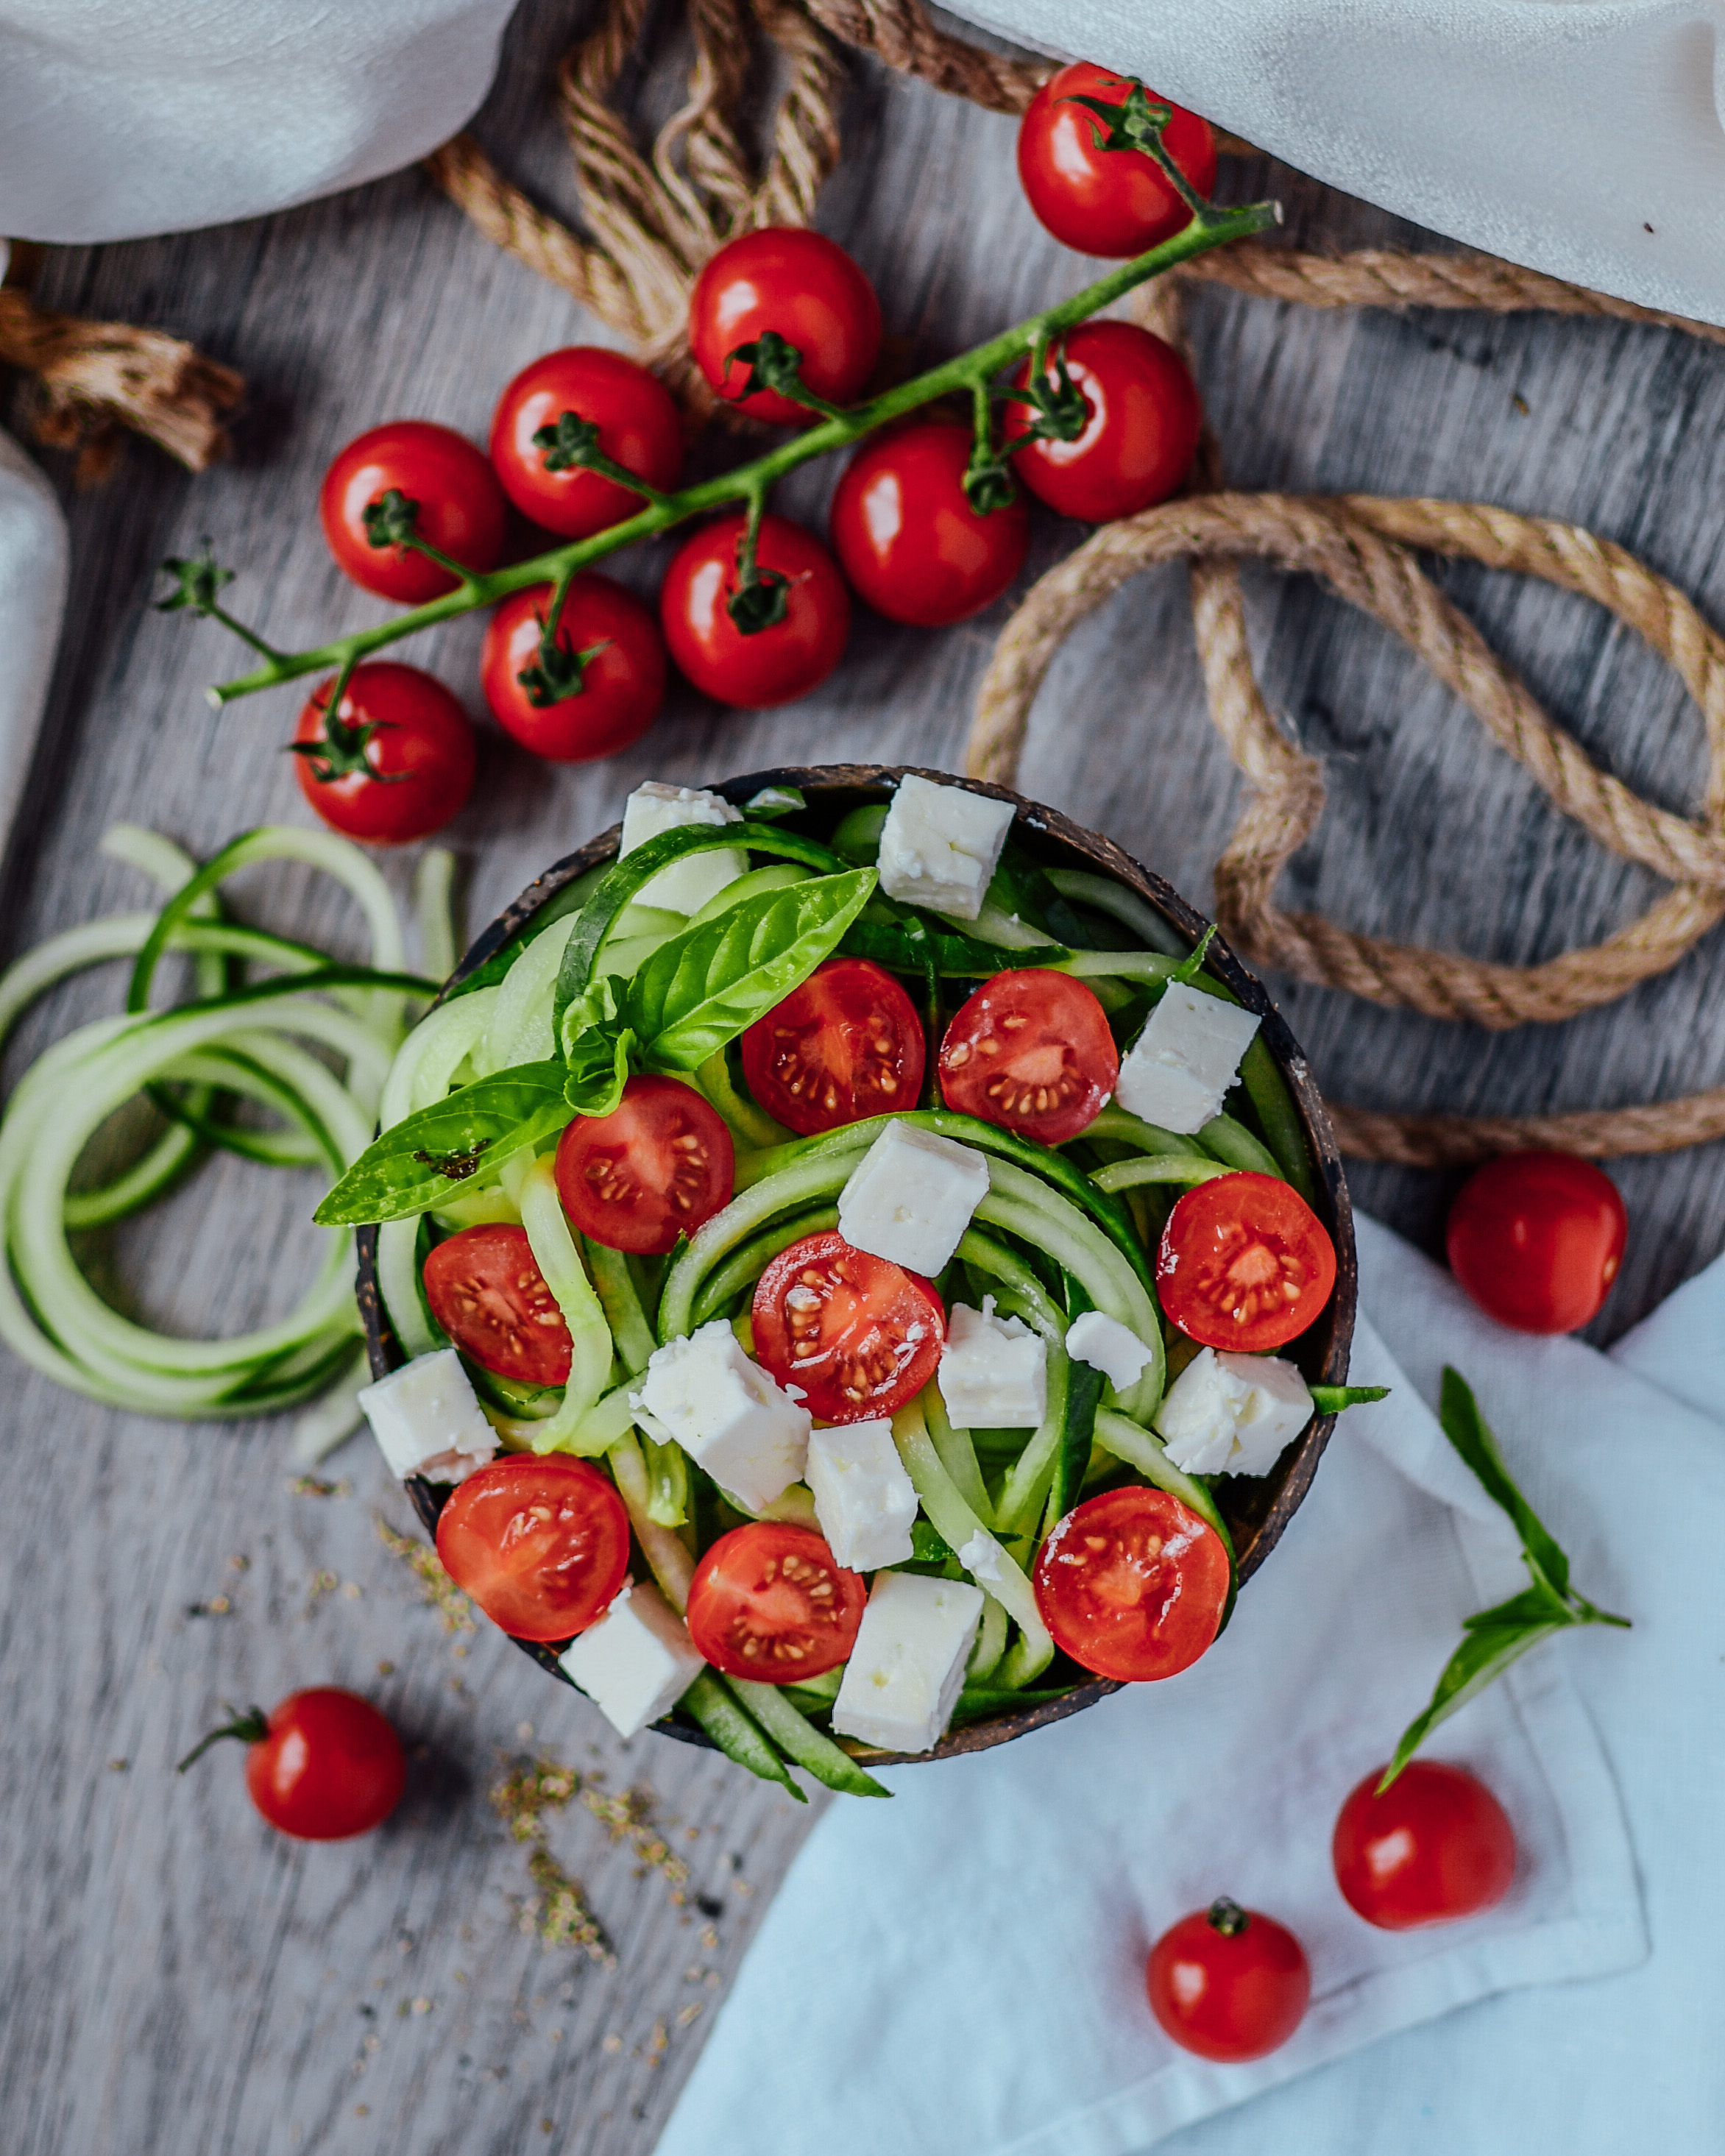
pixel 994 1370
pixel 981 1557
pixel 906 1670
pixel 427 1418
pixel 1185 1060
pixel 636 1662
pixel 727 1414
pixel 864 1500
pixel 686 885
pixel 912 1197
pixel 1108 1346
pixel 940 844
pixel 1232 1414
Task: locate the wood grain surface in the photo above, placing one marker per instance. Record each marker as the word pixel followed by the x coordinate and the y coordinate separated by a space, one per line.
pixel 175 1981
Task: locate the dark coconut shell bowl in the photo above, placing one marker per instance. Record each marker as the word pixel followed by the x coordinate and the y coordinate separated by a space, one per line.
pixel 1256 1508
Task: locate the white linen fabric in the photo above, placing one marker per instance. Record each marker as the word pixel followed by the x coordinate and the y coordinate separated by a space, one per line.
pixel 960 1972
pixel 32 597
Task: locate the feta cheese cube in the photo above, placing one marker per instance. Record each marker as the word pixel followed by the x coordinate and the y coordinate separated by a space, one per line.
pixel 864 1500
pixel 686 885
pixel 1185 1060
pixel 994 1370
pixel 940 846
pixel 912 1197
pixel 636 1662
pixel 1108 1346
pixel 906 1670
pixel 427 1418
pixel 981 1555
pixel 1232 1414
pixel 727 1414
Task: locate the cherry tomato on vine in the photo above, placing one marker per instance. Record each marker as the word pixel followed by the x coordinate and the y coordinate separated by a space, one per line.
pixel 845 1045
pixel 1132 1585
pixel 1244 1263
pixel 539 1540
pixel 1229 1984
pixel 396 759
pixel 767 1601
pixel 461 509
pixel 1536 1240
pixel 908 538
pixel 1142 432
pixel 1113 202
pixel 1030 1050
pixel 638 428
pixel 622 675
pixel 321 1766
pixel 805 288
pixel 1436 1847
pixel 487 1292
pixel 654 1168
pixel 861 1335
pixel 771 665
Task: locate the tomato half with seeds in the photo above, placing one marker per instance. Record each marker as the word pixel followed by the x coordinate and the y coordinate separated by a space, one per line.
pixel 1141 435
pixel 539 1542
pixel 1229 1983
pixel 1436 1847
pixel 461 510
pixel 622 677
pixel 1132 1585
pixel 1114 203
pixel 845 1045
pixel 907 537
pixel 859 1334
pixel 768 1601
pixel 804 287
pixel 656 1167
pixel 1031 1051
pixel 487 1292
pixel 1244 1263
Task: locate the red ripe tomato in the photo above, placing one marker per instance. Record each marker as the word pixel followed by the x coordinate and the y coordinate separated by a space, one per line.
pixel 640 428
pixel 1244 1263
pixel 908 538
pixel 768 1602
pixel 1536 1240
pixel 539 1542
pixel 773 665
pixel 1436 1847
pixel 1106 201
pixel 845 1045
pixel 487 1292
pixel 323 1765
pixel 654 1168
pixel 1030 1050
pixel 861 1335
pixel 622 682
pixel 462 511
pixel 395 763
pixel 805 287
pixel 1144 424
pixel 1229 1984
pixel 1132 1585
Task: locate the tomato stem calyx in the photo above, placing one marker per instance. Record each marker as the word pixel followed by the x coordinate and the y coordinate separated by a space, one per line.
pixel 251 1727
pixel 196 584
pixel 1138 125
pixel 574 443
pixel 774 363
pixel 1227 1917
pixel 392 520
pixel 345 750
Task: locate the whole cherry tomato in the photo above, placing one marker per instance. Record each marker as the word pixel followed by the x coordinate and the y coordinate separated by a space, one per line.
pixel 487 1292
pixel 1031 1049
pixel 540 1541
pixel 770 665
pixel 768 1601
pixel 858 1335
pixel 459 508
pixel 805 288
pixel 1132 1585
pixel 323 1765
pixel 1244 1263
pixel 1436 1847
pixel 1536 1240
pixel 1141 434
pixel 638 428
pixel 1229 1984
pixel 846 1044
pixel 656 1167
pixel 1106 201
pixel 908 538
pixel 609 643
pixel 395 763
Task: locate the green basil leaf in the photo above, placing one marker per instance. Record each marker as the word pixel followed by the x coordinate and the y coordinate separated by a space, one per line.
pixel 597 1068
pixel 1464 1427
pixel 1331 1399
pixel 1483 1656
pixel 429 1155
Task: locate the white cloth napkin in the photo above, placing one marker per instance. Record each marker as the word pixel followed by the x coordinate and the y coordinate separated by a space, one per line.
pixel 33 596
pixel 960 1971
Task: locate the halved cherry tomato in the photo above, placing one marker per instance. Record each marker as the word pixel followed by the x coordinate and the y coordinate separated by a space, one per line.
pixel 770 665
pixel 1229 1984
pixel 462 511
pixel 640 428
pixel 1031 1051
pixel 487 1292
pixel 807 288
pixel 845 1045
pixel 1436 1847
pixel 768 1602
pixel 1144 423
pixel 861 1335
pixel 1132 1585
pixel 1536 1240
pixel 1106 201
pixel 654 1168
pixel 1244 1263
pixel 908 538
pixel 321 1766
pixel 397 763
pixel 539 1542
pixel 622 682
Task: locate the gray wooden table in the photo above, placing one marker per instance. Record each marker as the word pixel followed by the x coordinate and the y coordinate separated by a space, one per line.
pixel 178 1982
